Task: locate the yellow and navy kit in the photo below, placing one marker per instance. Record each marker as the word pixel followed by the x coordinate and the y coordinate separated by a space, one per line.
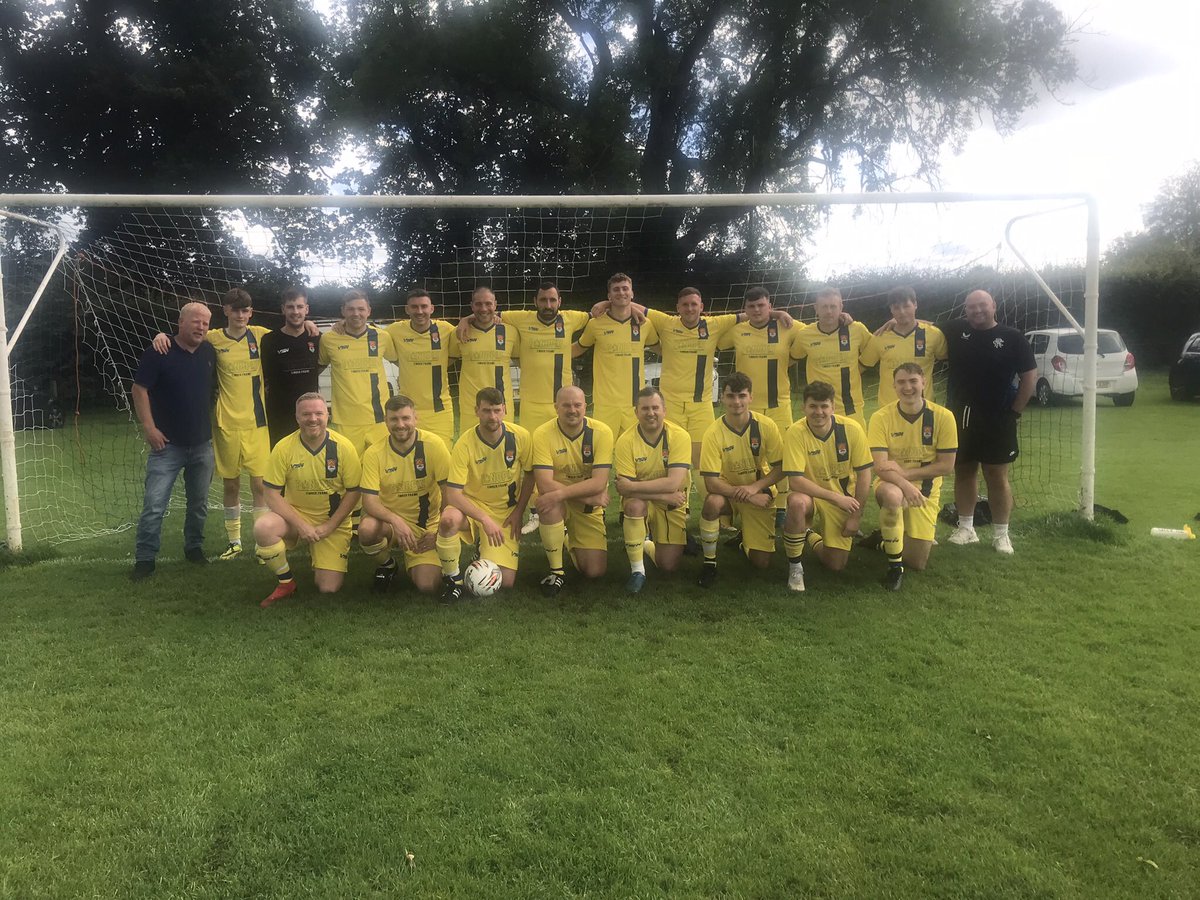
pixel 314 481
pixel 545 351
pixel 834 358
pixel 408 483
pixel 914 441
pixel 638 459
pixel 764 353
pixel 360 385
pixel 830 461
pixel 423 359
pixel 491 474
pixel 741 457
pixel 688 353
pixel 618 364
pixel 923 345
pixel 486 355
pixel 573 459
pixel 240 402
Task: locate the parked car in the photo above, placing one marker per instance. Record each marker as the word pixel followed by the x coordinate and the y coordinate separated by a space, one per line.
pixel 1185 371
pixel 1059 354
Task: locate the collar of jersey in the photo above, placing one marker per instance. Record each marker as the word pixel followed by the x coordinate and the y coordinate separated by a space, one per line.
pixel 836 329
pixel 481 328
pixel 916 325
pixel 356 337
pixel 661 435
pixel 915 416
pixel 225 331
pixel 567 436
pixel 725 422
pixel 499 440
pixel 832 422
pixel 620 321
pixel 400 452
pixel 320 446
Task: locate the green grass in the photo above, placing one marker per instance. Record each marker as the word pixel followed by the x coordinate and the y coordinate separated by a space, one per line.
pixel 1017 727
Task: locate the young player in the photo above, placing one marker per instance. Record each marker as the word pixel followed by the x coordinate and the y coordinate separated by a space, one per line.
pixel 402 480
pixel 828 464
pixel 913 444
pixel 572 457
pixel 486 349
pixel 486 494
pixel 653 461
pixel 741 460
pixel 904 339
pixel 762 349
pixel 422 346
pixel 833 348
pixel 360 385
pixel 312 486
pixel 619 360
pixel 290 363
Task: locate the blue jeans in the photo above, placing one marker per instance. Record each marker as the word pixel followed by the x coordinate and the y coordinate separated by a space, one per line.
pixel 162 468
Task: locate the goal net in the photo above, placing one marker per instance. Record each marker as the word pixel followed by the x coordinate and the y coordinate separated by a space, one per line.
pixel 79 454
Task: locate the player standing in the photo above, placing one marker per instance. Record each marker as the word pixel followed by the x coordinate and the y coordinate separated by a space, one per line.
pixel 572 458
pixel 360 385
pixel 913 444
pixel 828 465
pixel 833 349
pixel 402 480
pixel 290 363
pixel 904 339
pixel 762 349
pixel 312 487
pixel 486 494
pixel 422 346
pixel 486 347
pixel 653 460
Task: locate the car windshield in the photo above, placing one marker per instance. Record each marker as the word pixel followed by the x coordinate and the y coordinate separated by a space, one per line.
pixel 1107 342
pixel 1193 349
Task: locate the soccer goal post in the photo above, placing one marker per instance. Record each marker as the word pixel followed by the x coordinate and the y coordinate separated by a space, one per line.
pixel 91 278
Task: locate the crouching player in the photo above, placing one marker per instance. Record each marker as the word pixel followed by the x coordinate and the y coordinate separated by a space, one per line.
pixel 741 460
pixel 828 465
pixel 914 443
pixel 486 494
pixel 572 456
pixel 312 485
pixel 653 461
pixel 402 480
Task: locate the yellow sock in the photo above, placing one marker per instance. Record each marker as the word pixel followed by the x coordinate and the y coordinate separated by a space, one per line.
pixel 634 528
pixel 793 546
pixel 449 549
pixel 376 548
pixel 891 526
pixel 650 550
pixel 710 532
pixel 553 538
pixel 275 559
pixel 233 524
pixel 258 512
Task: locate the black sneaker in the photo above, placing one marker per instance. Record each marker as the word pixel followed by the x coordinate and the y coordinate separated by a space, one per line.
pixel 384 576
pixel 195 555
pixel 143 568
pixel 708 574
pixel 735 540
pixel 872 541
pixel 552 584
pixel 894 578
pixel 452 591
pixel 692 547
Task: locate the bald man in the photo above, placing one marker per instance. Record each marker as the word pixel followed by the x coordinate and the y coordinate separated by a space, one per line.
pixel 992 378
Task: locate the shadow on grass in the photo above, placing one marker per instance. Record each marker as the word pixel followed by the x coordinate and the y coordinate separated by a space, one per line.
pixel 36 554
pixel 1073 526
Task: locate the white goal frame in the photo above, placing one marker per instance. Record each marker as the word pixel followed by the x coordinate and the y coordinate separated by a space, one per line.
pixel 8 464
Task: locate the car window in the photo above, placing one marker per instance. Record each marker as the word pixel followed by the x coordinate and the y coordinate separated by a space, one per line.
pixel 1039 343
pixel 1193 347
pixel 1107 342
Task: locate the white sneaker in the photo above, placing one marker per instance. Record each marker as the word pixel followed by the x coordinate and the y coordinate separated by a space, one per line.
pixel 795 577
pixel 963 535
pixel 532 525
pixel 1003 545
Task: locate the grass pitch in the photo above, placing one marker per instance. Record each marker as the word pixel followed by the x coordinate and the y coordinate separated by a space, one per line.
pixel 1004 727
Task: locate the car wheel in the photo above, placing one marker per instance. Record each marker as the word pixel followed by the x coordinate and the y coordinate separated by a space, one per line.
pixel 1178 390
pixel 1045 396
pixel 1124 399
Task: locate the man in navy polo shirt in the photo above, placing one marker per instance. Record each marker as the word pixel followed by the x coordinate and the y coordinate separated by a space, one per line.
pixel 172 395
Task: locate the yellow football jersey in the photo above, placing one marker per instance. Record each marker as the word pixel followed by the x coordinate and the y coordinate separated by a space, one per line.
pixel 424 360
pixel 486 355
pixel 834 359
pixel 830 461
pixel 573 459
pixel 491 474
pixel 764 354
pixel 360 385
pixel 924 345
pixel 314 481
pixel 687 354
pixel 914 441
pixel 741 457
pixel 409 484
pixel 619 360
pixel 545 351
pixel 239 379
pixel 636 458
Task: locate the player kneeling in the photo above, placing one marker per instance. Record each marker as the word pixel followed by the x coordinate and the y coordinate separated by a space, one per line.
pixel 741 460
pixel 828 465
pixel 914 443
pixel 312 486
pixel 402 480
pixel 572 456
pixel 486 494
pixel 653 461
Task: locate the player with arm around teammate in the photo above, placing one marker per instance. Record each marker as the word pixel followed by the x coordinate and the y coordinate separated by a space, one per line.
pixel 290 363
pixel 653 461
pixel 312 486
pixel 402 491
pixel 422 346
pixel 828 463
pixel 913 444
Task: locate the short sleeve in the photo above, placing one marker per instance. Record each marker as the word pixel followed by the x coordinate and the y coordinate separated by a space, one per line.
pixel 460 462
pixel 525 450
pixel 860 451
pixel 602 451
pixel 369 482
pixel 710 451
pixel 454 346
pixel 935 342
pixel 276 474
pixel 877 431
pixel 726 341
pixel 149 367
pixel 870 355
pixel 649 333
pixel 543 453
pixel 798 349
pixel 680 453
pixel 794 457
pixel 623 455
pixel 350 465
pixel 323 353
pixel 772 442
pixel 575 320
pixel 947 431
pixel 437 458
pixel 588 338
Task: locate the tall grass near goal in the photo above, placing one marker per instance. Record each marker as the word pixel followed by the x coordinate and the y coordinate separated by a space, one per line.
pixel 74 445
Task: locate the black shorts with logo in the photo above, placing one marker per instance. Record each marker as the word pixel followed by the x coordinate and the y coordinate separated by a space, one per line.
pixel 989 438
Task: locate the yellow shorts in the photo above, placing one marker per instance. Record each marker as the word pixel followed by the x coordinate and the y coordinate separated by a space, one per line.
pixel 424 557
pixel 758 526
pixel 692 416
pixel 362 436
pixel 920 522
pixel 507 554
pixel 534 414
pixel 619 419
pixel 666 526
pixel 585 530
pixel 440 423
pixel 241 449
pixel 828 522
pixel 333 553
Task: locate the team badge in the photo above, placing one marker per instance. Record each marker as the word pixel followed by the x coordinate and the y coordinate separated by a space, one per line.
pixel 927 433
pixel 842 450
pixel 586 453
pixel 331 466
pixel 559 329
pixel 755 442
pixel 843 339
pixel 499 339
pixel 919 346
pixel 635 331
pixel 419 466
pixel 312 348
pixel 372 347
pixel 772 332
pixel 510 455
pixel 435 338
pixel 702 330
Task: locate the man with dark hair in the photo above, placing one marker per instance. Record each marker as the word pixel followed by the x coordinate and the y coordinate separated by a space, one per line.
pixel 904 338
pixel 290 363
pixel 360 385
pixel 992 377
pixel 422 345
pixel 486 347
pixel 831 348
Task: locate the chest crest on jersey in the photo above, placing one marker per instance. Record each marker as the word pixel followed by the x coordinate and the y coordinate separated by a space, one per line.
pixel 702 330
pixel 435 338
pixel 772 332
pixel 419 466
pixel 927 434
pixel 755 444
pixel 251 345
pixel 559 329
pixel 500 337
pixel 635 332
pixel 843 339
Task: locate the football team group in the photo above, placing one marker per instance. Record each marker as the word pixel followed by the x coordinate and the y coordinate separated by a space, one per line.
pixel 389 469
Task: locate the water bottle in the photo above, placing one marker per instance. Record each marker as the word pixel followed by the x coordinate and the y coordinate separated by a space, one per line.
pixel 1177 534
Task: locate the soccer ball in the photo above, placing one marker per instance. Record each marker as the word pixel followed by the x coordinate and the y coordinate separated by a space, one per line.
pixel 483 578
